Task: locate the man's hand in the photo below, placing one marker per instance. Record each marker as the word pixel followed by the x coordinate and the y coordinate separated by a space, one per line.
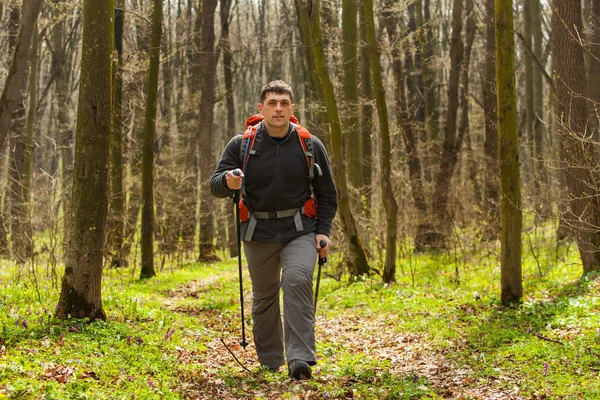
pixel 323 251
pixel 234 182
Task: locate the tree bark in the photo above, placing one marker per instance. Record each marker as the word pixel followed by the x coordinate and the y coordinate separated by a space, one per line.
pixel 387 191
pixel 147 239
pixel 20 168
pixel 572 119
pixel 366 115
pixel 12 95
pixel 410 137
pixel 81 294
pixel 358 264
pixel 230 106
pixel 206 133
pixel 508 155
pixel 350 122
pixel 117 203
pixel 594 69
pixel 451 144
pixel 490 145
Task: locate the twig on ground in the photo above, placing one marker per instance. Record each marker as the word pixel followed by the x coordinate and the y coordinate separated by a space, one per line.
pixel 540 336
pixel 236 359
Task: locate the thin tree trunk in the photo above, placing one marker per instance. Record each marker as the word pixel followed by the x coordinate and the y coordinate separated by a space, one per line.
pixel 508 155
pixel 21 232
pixel 411 139
pixel 358 264
pixel 490 145
pixel 350 122
pixel 229 100
pixel 538 108
pixel 12 95
pixel 206 134
pixel 572 118
pixel 529 85
pixel 387 192
pixel 366 123
pixel 451 146
pixel 432 112
pixel 81 293
pixel 594 69
pixel 147 240
pixel 117 205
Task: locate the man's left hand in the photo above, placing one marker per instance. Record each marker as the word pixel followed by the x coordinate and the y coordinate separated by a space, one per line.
pixel 323 251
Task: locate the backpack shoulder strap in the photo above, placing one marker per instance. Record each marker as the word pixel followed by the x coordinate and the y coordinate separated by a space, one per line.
pixel 246 146
pixel 308 146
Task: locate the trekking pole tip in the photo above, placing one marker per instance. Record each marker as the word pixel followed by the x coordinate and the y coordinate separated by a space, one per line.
pixel 243 343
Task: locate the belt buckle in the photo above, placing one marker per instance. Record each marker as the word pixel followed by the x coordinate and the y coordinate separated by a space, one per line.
pixel 272 214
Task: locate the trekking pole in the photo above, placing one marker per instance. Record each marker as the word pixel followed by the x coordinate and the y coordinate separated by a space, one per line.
pixel 236 201
pixel 322 260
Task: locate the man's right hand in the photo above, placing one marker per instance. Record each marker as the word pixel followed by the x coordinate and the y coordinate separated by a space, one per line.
pixel 234 181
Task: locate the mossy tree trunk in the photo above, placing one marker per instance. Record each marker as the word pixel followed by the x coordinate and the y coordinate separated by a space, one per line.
pixel 350 121
pixel 491 210
pixel 147 239
pixel 81 293
pixel 576 155
pixel 206 132
pixel 511 219
pixel 358 264
pixel 387 191
pixel 366 116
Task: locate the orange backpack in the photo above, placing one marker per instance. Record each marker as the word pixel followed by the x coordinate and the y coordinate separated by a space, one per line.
pixel 307 144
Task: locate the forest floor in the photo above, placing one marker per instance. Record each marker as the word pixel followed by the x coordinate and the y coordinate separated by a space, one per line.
pixel 424 337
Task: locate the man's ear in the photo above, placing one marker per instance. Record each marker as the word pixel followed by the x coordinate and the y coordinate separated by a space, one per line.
pixel 293 106
pixel 260 107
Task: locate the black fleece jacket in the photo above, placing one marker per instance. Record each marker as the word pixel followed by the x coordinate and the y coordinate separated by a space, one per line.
pixel 276 179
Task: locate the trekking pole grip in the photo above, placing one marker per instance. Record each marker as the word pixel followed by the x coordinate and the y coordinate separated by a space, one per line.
pixel 322 260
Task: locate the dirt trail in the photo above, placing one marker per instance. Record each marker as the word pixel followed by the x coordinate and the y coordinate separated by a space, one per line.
pixel 409 356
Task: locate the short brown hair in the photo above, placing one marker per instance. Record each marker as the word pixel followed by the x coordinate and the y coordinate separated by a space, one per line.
pixel 279 87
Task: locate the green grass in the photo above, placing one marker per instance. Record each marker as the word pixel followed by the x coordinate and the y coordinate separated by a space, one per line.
pixel 408 340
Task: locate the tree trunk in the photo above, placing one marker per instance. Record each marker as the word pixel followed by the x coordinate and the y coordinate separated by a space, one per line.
pixel 358 264
pixel 572 117
pixel 508 155
pixel 432 112
pixel 206 133
pixel 529 95
pixel 350 121
pixel 538 105
pixel 147 239
pixel 490 145
pixel 451 146
pixel 12 95
pixel 230 106
pixel 81 294
pixel 64 135
pixel 317 127
pixel 387 192
pixel 366 123
pixel 594 69
pixel 117 205
pixel 20 168
pixel 411 139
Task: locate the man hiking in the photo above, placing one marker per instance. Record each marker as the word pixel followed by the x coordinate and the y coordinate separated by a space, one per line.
pixel 288 204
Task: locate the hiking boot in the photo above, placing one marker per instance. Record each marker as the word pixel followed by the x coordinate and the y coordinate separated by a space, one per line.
pixel 299 370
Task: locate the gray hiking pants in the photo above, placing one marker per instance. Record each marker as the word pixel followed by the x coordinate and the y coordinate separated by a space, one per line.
pixel 290 266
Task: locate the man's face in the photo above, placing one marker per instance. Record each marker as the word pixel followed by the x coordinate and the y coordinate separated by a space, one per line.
pixel 277 109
